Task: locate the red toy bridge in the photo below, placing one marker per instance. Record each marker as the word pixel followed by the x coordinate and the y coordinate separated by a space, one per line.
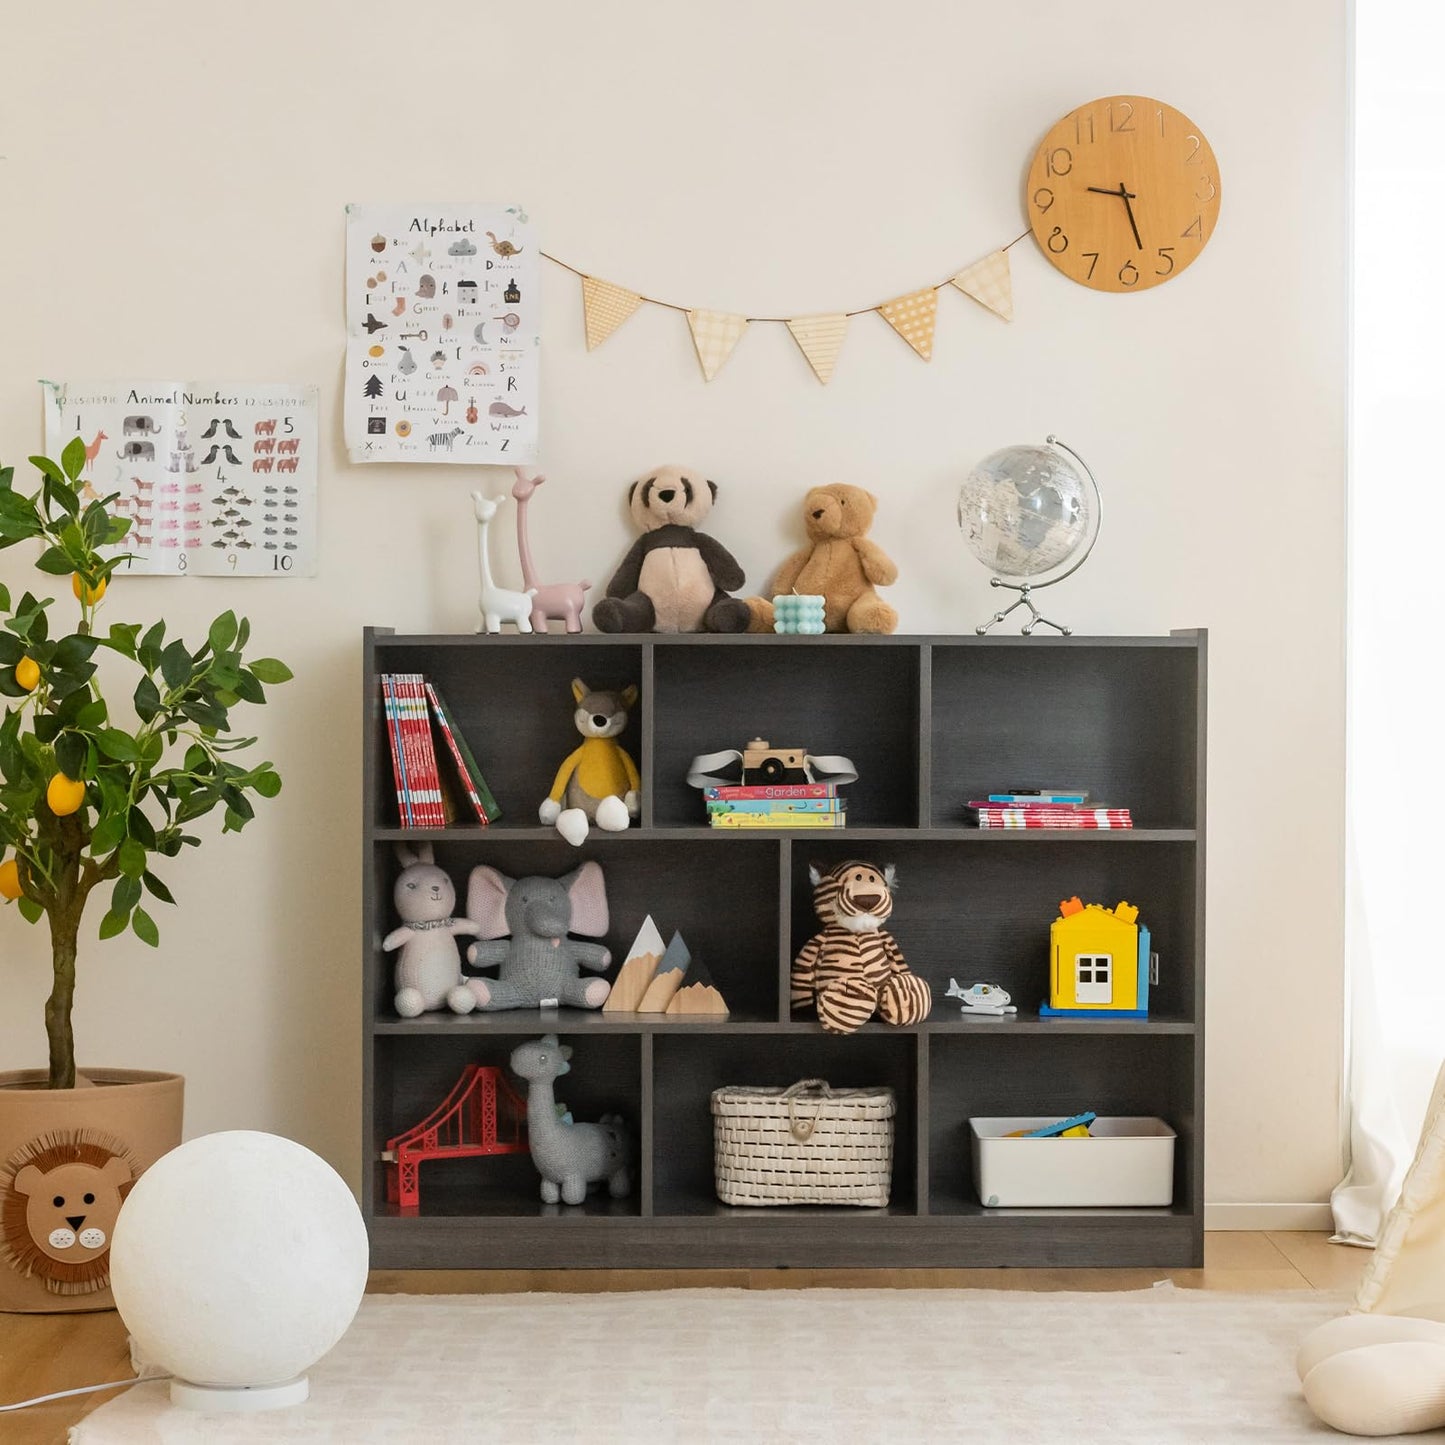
pixel 482 1115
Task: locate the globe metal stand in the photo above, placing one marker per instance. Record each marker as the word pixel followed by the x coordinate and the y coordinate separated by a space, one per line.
pixel 1026 589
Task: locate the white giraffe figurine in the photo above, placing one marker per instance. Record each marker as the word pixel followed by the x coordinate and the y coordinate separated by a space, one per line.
pixel 497 604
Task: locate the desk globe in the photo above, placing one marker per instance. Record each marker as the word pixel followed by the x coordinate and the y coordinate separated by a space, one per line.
pixel 1031 515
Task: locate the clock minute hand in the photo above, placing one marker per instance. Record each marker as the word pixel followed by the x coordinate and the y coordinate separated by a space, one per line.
pixel 1133 224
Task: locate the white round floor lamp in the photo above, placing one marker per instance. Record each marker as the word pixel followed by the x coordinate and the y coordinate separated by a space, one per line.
pixel 237 1262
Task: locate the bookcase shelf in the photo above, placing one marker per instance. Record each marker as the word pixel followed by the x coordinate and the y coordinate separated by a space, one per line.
pixel 931 722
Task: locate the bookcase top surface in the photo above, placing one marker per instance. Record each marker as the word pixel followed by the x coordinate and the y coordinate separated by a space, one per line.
pixel 385 637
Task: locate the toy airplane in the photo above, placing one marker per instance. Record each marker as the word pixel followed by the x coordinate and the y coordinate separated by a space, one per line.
pixel 981 998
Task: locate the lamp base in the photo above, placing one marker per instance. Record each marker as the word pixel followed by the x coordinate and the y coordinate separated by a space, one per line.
pixel 239 1399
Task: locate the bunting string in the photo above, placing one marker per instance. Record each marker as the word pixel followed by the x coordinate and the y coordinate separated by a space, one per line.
pixel 607 305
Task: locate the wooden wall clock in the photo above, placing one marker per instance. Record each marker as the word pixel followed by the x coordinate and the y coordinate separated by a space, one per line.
pixel 1123 193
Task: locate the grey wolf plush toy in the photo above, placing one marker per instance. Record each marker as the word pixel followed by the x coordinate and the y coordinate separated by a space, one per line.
pixel 598 782
pixel 430 965
pixel 675 579
pixel 538 963
pixel 568 1156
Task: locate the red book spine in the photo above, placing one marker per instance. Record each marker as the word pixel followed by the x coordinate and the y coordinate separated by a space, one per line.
pixel 393 738
pixel 473 797
pixel 1101 818
pixel 421 765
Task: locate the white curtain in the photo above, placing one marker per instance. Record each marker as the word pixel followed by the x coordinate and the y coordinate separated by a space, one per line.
pixel 1396 804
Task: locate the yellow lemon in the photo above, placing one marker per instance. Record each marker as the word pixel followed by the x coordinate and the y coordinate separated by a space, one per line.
pixel 27 673
pixel 9 879
pixel 89 595
pixel 64 795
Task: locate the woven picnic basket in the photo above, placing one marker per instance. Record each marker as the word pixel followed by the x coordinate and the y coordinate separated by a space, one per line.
pixel 807 1144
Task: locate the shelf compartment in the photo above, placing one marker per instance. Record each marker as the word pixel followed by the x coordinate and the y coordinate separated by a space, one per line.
pixel 415 1073
pixel 865 708
pixel 1122 722
pixel 983 914
pixel 514 707
pixel 728 916
pixel 573 1021
pixel 1033 1076
pixel 686 1071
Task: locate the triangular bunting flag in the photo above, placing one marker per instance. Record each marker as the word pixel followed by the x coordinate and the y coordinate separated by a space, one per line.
pixel 912 318
pixel 820 338
pixel 987 281
pixel 604 308
pixel 714 334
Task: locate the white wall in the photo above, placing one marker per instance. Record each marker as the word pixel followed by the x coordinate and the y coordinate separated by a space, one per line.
pixel 173 186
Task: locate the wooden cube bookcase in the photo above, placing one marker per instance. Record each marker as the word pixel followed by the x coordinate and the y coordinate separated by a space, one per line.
pixel 931 722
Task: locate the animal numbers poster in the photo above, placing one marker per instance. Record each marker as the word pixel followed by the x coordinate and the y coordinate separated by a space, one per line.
pixel 217 480
pixel 443 330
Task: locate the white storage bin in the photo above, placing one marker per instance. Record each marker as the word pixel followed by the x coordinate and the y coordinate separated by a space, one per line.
pixel 1123 1162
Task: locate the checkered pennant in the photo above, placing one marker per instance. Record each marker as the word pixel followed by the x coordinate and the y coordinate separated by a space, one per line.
pixel 604 308
pixel 714 334
pixel 988 282
pixel 912 317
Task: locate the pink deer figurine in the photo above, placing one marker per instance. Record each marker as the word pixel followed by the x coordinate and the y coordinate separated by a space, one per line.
pixel 561 600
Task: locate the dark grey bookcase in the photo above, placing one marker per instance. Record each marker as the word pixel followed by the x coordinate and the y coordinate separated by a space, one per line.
pixel 930 722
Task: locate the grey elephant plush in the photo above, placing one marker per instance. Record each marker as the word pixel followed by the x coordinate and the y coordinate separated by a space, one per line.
pixel 569 1157
pixel 538 963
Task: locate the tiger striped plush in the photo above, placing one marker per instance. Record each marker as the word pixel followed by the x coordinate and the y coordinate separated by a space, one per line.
pixel 854 967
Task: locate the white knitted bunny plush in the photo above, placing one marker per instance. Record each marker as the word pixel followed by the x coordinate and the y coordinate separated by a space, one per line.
pixel 430 964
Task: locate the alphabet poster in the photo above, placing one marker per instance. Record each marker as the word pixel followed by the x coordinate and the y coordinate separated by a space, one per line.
pixel 443 328
pixel 217 479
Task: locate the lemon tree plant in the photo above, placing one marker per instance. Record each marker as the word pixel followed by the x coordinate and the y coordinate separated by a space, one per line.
pixel 91 799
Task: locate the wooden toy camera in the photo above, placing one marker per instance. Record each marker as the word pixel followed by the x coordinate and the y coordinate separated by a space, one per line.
pixel 763 763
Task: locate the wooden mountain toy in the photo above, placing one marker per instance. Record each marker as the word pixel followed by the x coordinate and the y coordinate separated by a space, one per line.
pixel 698 995
pixel 636 973
pixel 667 979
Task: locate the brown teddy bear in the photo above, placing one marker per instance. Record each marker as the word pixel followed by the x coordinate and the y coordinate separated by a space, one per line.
pixel 840 564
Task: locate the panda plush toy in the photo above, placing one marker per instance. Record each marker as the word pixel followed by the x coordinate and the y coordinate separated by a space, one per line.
pixel 675 579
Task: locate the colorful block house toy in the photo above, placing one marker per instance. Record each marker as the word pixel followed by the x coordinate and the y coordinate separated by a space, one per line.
pixel 1099 963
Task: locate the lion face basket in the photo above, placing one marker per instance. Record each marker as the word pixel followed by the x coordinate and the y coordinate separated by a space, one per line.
pixel 807 1144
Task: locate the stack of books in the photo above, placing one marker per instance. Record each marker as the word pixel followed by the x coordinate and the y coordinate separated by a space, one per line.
pixel 421 731
pixel 1045 808
pixel 776 805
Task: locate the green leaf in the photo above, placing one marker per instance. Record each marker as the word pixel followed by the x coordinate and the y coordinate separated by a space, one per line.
pixel 151 750
pixel 123 638
pixel 73 458
pixel 91 716
pixel 108 833
pixel 267 784
pixel 47 468
pixel 113 923
pixel 56 561
pixel 132 858
pixel 72 651
pixel 144 928
pixel 176 664
pixel 268 669
pixel 118 745
pixel 155 886
pixel 4 590
pixel 70 751
pixel 223 632
pixel 140 828
pixel 147 699
pixel 66 496
pixel 249 688
pixel 30 910
pixel 126 895
pixel 11 649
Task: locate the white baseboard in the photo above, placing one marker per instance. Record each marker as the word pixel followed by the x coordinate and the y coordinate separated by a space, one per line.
pixel 1269 1216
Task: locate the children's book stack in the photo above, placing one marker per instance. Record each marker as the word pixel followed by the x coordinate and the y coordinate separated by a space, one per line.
pixel 776 805
pixel 1045 808
pixel 430 759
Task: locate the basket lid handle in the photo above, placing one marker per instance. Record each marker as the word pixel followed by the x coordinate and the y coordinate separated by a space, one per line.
pixel 802 1129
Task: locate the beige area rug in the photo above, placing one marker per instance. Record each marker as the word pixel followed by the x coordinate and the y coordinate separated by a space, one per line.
pixel 836 1367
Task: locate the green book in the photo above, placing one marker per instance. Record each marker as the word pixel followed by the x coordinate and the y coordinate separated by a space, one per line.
pixel 489 809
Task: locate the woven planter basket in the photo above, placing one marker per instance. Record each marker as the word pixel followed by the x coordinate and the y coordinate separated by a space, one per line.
pixel 807 1144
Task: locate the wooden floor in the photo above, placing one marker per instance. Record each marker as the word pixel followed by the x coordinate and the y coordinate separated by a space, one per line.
pixel 43 1353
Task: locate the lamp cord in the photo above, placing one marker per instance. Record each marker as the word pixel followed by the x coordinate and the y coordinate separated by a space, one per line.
pixel 82 1390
